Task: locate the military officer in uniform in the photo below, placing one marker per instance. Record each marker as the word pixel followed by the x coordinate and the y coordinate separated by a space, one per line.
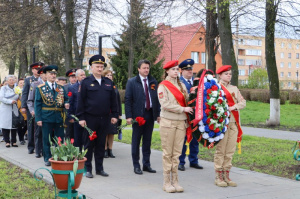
pixel 30 104
pixel 96 101
pixel 50 99
pixel 187 78
pixel 30 126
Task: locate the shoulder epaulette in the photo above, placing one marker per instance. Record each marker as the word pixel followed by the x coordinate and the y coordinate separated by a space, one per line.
pixel 41 85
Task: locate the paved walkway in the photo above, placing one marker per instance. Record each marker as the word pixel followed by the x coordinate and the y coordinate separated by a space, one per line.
pixel 124 184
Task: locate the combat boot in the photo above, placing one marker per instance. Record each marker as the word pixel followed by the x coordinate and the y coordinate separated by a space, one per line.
pixel 228 180
pixel 167 187
pixel 219 180
pixel 175 183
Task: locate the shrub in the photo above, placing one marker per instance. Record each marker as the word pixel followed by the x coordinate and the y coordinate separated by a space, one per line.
pixel 294 97
pixel 245 93
pixel 122 95
pixel 261 95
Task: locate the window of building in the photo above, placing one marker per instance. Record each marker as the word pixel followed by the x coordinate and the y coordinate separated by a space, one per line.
pixel 297 65
pixel 289 84
pixel 241 62
pixel 241 51
pixel 297 46
pixel 297 55
pixel 282 55
pixel 289 55
pixel 195 57
pixel 290 45
pixel 282 45
pixel 241 41
pixel 253 52
pixel 202 58
pixel 290 65
pixel 254 62
pixel 242 72
pixel 281 74
pixel 93 52
pixel 252 42
pixel 289 74
pixel 281 64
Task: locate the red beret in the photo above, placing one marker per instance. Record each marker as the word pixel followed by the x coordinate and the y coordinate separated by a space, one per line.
pixel 223 68
pixel 171 64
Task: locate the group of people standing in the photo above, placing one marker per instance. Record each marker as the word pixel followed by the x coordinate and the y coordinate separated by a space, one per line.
pixel 95 101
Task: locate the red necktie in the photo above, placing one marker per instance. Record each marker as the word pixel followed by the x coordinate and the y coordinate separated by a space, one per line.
pixel 147 95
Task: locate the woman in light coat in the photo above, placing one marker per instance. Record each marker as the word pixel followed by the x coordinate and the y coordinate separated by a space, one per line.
pixel 8 99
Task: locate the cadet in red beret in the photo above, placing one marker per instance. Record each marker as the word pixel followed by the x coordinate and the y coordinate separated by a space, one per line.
pixel 174 111
pixel 226 147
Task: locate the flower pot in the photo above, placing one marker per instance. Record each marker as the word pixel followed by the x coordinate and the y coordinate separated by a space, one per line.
pixel 61 180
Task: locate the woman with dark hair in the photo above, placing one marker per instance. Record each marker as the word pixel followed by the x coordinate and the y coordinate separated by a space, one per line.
pixel 113 127
pixel 8 108
pixel 172 96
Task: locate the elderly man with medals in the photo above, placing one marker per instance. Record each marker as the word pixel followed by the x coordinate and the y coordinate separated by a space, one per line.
pixel 50 99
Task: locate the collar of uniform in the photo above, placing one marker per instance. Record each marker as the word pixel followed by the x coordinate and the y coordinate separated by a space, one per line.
pixel 172 80
pixel 50 84
pixel 224 83
pixel 188 79
pixel 94 79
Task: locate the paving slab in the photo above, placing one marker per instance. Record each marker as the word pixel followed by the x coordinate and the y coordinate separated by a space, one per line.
pixel 124 184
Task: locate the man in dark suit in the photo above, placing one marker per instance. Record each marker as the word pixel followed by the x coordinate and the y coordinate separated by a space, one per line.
pixel 187 78
pixel 71 74
pixel 73 93
pixel 24 108
pixel 141 101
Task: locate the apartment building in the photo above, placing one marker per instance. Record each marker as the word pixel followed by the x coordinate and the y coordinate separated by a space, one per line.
pixel 250 53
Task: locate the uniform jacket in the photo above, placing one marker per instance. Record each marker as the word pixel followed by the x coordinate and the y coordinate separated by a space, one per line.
pixel 31 95
pixel 240 102
pixel 46 98
pixel 73 99
pixel 97 100
pixel 135 97
pixel 25 91
pixel 170 109
pixel 187 85
pixel 7 95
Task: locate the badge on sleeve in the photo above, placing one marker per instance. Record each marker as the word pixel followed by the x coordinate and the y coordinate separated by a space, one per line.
pixel 161 95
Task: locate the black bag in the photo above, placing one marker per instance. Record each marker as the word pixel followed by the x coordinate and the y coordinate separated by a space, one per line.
pixel 17 121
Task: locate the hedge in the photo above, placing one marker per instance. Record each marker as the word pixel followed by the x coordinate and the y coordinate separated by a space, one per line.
pixel 294 97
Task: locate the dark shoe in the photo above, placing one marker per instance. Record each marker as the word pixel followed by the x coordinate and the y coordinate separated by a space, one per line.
pixel 106 154
pixel 196 166
pixel 89 175
pixel 102 173
pixel 38 155
pixel 138 171
pixel 7 145
pixel 149 169
pixel 181 167
pixel 25 137
pixel 110 154
pixel 14 145
pixel 30 151
pixel 47 164
pixel 22 142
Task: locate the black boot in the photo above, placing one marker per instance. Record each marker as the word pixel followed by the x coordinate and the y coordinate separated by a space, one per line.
pixel 106 154
pixel 110 154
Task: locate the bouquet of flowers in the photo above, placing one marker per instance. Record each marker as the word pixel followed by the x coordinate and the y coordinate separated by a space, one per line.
pixel 210 130
pixel 140 120
pixel 93 134
pixel 18 90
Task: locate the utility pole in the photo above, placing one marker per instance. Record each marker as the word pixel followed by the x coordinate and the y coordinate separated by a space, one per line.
pixel 100 43
pixel 297 73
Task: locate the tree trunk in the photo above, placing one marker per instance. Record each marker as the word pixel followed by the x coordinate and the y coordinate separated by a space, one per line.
pixel 131 43
pixel 69 33
pixel 228 56
pixel 271 12
pixel 12 65
pixel 23 68
pixel 211 33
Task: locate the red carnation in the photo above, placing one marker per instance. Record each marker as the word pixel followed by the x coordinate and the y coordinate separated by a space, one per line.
pixel 221 120
pixel 141 121
pixel 216 130
pixel 69 94
pixel 211 127
pixel 208 121
pixel 207 111
pixel 214 88
pixel 213 107
pixel 225 113
pixel 93 136
pixel 207 97
pixel 215 116
pixel 220 101
pixel 209 91
pixel 207 106
pixel 220 94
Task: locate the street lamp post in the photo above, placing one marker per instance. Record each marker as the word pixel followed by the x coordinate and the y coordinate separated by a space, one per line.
pixel 100 43
pixel 297 73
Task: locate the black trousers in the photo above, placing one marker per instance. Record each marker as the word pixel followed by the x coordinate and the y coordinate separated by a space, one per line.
pixel 38 140
pixel 69 129
pixel 139 132
pixel 96 146
pixel 21 131
pixel 30 131
pixel 6 136
pixel 78 135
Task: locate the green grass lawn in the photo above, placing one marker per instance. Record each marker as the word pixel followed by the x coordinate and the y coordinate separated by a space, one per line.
pixel 266 155
pixel 18 183
pixel 256 114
